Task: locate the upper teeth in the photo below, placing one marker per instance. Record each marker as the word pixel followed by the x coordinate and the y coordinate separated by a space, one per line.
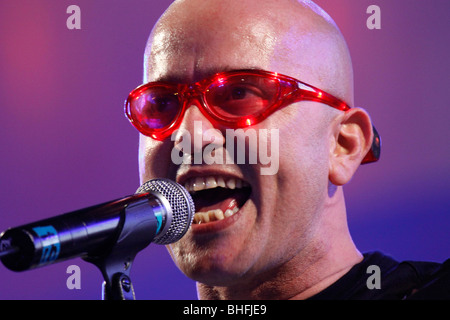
pixel 210 182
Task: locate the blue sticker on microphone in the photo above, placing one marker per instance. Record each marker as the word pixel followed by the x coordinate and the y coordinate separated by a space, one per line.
pixel 50 243
pixel 159 220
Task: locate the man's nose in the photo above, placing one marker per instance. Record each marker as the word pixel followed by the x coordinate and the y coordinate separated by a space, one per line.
pixel 199 129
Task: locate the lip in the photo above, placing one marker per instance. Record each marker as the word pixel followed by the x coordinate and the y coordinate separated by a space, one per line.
pixel 216 226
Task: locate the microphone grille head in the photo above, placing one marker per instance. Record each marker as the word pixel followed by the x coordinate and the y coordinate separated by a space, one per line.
pixel 181 204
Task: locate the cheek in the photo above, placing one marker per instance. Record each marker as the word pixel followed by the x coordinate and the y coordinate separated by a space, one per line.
pixel 154 159
pixel 304 166
pixel 301 182
pixel 304 137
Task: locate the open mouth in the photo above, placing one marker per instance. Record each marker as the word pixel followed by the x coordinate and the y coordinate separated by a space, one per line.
pixel 217 198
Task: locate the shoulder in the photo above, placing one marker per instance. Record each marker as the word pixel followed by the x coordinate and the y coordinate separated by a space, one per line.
pixel 381 277
pixel 433 280
pixel 413 280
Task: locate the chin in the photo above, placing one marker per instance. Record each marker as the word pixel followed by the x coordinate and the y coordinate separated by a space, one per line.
pixel 213 267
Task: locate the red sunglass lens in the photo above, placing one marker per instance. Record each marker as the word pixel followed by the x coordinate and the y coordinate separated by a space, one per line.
pixel 241 95
pixel 156 108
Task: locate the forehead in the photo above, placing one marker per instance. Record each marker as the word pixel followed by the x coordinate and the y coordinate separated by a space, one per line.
pixel 190 49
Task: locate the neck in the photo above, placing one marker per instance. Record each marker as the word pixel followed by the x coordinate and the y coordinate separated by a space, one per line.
pixel 326 258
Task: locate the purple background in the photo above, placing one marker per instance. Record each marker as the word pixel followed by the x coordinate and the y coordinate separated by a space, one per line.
pixel 66 145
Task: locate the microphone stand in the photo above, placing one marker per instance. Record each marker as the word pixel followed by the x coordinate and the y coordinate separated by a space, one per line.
pixel 115 265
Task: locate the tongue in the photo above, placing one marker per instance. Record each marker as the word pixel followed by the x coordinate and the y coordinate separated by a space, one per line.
pixel 219 198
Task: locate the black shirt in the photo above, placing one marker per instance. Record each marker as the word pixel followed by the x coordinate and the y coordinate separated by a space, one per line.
pixel 396 280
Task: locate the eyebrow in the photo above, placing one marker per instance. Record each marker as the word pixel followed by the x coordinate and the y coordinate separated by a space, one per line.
pixel 199 75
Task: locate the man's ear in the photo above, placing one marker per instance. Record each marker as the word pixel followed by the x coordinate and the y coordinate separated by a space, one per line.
pixel 353 137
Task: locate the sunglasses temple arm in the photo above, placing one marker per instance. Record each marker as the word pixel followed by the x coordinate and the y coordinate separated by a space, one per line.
pixel 374 153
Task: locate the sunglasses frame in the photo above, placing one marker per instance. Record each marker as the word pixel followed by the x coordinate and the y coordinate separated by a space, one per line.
pixel 290 90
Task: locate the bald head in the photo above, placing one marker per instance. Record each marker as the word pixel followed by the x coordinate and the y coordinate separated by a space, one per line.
pixel 195 38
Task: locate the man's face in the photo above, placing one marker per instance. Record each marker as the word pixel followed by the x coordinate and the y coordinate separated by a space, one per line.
pixel 281 215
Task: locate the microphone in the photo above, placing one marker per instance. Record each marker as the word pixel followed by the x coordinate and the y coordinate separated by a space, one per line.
pixel 161 211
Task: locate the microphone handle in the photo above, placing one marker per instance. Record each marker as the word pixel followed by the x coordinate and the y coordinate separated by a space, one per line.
pixel 89 231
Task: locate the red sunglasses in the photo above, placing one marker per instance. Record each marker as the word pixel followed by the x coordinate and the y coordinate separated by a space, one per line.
pixel 235 99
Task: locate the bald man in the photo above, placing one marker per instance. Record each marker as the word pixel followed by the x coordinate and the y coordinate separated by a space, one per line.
pixel 280 68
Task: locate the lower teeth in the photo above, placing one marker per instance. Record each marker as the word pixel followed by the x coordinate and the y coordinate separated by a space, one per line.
pixel 214 215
